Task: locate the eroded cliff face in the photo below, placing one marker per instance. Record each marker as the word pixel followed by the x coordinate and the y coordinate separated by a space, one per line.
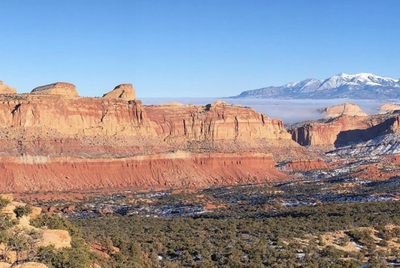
pixel 66 116
pixel 345 129
pixel 163 171
pixel 94 127
pixel 218 122
pixel 52 142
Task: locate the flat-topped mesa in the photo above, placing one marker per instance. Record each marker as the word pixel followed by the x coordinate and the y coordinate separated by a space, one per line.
pixel 349 109
pixel 4 89
pixel 59 88
pixel 122 91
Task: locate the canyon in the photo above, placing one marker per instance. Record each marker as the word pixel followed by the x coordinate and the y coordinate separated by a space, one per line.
pixel 54 140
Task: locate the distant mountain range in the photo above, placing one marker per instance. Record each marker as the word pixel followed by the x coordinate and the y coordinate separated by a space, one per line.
pixel 358 86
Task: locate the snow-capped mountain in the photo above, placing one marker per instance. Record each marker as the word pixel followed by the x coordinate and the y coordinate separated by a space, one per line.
pixel 358 86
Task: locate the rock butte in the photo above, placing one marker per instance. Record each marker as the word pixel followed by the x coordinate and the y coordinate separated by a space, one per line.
pixel 349 109
pixel 4 89
pixel 123 91
pixel 59 88
pixel 60 142
pixel 389 107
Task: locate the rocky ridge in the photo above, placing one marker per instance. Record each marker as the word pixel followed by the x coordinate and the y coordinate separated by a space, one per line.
pixel 53 141
pixel 345 129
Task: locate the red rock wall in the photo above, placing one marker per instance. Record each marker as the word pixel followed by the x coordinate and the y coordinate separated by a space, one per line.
pixel 176 170
pixel 57 143
pixel 345 129
pixel 99 127
pixel 214 122
pixel 48 115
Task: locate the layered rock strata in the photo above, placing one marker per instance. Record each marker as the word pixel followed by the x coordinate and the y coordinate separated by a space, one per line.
pixel 163 171
pixel 54 125
pixel 55 142
pixel 345 130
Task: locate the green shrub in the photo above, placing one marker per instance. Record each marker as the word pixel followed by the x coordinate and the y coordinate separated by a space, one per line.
pixel 22 211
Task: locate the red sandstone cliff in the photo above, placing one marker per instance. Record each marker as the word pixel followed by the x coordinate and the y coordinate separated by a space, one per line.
pixel 53 142
pixel 345 129
pixel 175 170
pixel 100 127
pixel 217 121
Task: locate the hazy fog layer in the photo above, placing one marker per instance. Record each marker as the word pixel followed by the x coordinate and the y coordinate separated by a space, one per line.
pixel 290 111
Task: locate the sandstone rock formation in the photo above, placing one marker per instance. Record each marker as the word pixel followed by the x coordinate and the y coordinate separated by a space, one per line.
pixel 50 142
pixel 162 171
pixel 389 107
pixel 59 88
pixel 58 238
pixel 4 89
pixel 216 121
pixel 123 91
pixel 9 209
pixel 349 109
pixel 345 129
pixel 94 127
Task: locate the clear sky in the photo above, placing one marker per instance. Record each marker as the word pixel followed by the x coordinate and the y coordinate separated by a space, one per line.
pixel 194 48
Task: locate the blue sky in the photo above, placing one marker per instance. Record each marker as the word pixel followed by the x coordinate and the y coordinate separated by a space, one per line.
pixel 193 48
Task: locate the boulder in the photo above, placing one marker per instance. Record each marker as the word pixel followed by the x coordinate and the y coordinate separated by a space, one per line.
pixel 123 91
pixel 59 88
pixel 58 238
pixel 4 89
